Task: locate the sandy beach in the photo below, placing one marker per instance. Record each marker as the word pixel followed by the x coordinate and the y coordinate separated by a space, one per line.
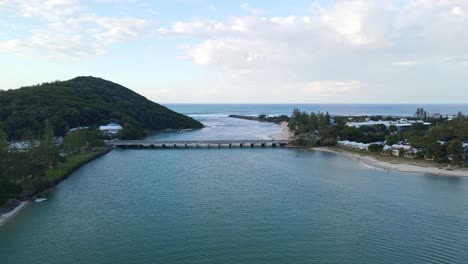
pixel 374 163
pixel 8 216
pixel 285 134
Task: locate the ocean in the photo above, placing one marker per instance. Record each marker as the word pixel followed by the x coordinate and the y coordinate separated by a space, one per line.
pixel 404 110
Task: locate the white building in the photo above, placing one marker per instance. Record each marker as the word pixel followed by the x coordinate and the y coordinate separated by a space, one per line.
pixel 401 124
pixel 110 129
pixel 353 145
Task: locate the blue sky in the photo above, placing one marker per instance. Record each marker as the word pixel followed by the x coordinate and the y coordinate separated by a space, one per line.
pixel 201 51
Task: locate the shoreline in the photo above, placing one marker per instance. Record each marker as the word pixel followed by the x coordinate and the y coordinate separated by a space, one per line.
pixel 4 218
pixel 396 166
pixel 285 133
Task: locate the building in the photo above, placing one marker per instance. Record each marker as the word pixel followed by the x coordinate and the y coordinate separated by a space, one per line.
pixel 353 145
pixel 110 129
pixel 401 124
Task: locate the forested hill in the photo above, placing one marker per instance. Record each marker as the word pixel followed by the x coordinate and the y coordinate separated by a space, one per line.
pixel 83 101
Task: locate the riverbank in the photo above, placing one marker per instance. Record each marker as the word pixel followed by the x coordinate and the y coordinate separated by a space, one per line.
pixel 64 170
pixel 55 176
pixel 4 218
pixel 389 163
pixel 285 133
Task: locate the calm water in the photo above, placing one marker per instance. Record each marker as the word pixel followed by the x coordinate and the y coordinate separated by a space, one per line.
pixel 241 206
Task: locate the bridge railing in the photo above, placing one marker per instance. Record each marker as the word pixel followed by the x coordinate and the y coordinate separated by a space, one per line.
pixel 196 143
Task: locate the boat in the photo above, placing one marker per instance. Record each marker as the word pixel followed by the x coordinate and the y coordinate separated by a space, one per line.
pixel 40 199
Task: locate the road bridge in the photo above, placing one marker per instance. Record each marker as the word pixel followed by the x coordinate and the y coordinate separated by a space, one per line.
pixel 196 143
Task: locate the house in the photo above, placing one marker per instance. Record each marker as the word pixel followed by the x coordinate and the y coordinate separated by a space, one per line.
pixel 401 124
pixel 110 129
pixel 353 145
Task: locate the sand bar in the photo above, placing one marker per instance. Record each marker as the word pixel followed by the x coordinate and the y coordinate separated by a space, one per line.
pixel 285 134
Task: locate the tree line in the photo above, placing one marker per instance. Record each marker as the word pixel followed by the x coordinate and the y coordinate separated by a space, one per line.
pixel 24 164
pixel 441 141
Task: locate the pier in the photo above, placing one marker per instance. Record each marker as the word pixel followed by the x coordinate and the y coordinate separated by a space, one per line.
pixel 196 143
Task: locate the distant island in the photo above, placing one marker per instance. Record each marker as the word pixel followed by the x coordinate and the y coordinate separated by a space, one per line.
pixel 84 102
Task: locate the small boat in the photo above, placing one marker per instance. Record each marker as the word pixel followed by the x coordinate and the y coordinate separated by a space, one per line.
pixel 40 199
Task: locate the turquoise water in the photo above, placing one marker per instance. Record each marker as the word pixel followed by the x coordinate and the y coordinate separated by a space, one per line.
pixel 241 206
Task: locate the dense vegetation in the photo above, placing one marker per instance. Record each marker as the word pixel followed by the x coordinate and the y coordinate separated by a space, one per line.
pixel 83 101
pixel 38 162
pixel 442 141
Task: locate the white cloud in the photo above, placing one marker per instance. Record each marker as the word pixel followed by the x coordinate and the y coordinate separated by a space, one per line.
pixel 67 30
pixel 327 88
pixel 250 9
pixel 344 40
pixel 407 63
pixel 457 11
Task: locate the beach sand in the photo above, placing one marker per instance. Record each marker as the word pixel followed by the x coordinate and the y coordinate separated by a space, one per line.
pixel 374 163
pixel 285 134
pixel 8 216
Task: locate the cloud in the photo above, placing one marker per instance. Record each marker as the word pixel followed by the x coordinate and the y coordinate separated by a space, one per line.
pixel 407 63
pixel 327 88
pixel 342 40
pixel 250 9
pixel 457 11
pixel 66 30
pixel 212 8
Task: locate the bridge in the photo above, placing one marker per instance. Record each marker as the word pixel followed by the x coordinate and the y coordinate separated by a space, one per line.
pixel 196 143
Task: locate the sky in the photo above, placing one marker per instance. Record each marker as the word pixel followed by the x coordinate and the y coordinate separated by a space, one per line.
pixel 207 51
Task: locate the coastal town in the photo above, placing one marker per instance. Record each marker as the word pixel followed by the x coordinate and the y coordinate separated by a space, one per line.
pixel 401 148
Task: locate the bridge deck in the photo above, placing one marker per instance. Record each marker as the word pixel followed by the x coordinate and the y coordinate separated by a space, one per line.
pixel 197 143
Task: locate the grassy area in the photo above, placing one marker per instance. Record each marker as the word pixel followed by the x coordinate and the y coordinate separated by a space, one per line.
pixel 64 169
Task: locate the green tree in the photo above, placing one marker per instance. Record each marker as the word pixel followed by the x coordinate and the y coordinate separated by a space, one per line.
pixel 375 147
pixel 47 150
pixel 4 155
pixel 393 139
pixel 456 150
